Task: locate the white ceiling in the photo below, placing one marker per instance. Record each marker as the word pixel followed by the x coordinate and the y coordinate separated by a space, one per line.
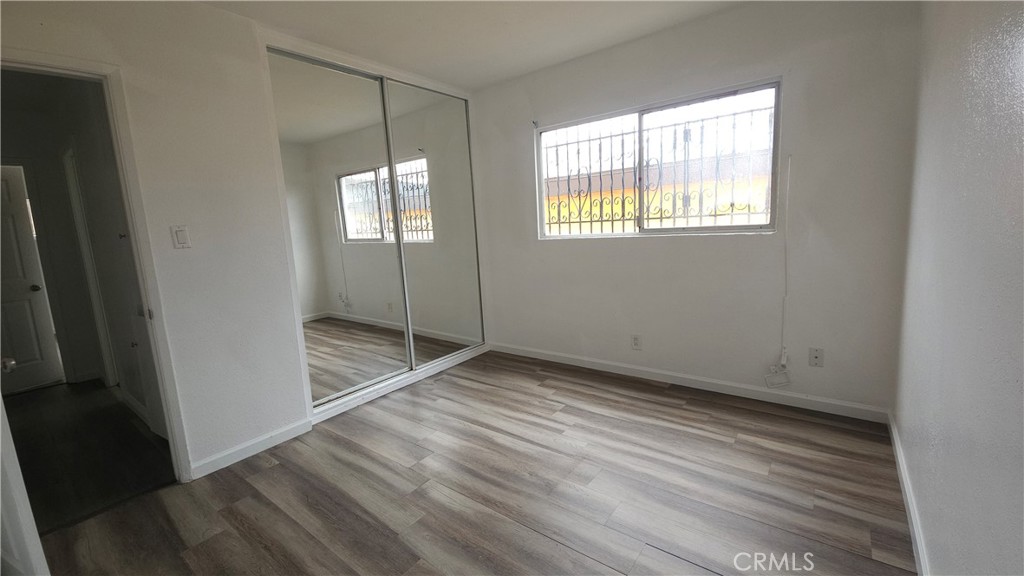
pixel 470 45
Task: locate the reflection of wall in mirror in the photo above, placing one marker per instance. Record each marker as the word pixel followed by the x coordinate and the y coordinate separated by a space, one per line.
pixel 443 287
pixel 305 228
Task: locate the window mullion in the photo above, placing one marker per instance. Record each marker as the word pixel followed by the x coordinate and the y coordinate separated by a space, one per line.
pixel 380 205
pixel 640 181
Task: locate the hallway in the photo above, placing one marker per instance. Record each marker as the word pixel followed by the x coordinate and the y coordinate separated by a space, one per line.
pixel 83 451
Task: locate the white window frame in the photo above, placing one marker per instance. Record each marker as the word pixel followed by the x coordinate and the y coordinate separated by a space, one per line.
pixel 768 228
pixel 380 206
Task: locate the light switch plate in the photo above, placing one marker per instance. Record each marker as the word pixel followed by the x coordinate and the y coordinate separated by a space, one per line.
pixel 180 237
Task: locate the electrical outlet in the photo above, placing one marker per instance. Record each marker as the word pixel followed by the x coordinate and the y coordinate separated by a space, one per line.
pixel 391 307
pixel 816 357
pixel 637 342
pixel 341 296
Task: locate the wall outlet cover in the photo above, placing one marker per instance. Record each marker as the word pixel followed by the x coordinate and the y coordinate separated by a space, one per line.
pixel 816 357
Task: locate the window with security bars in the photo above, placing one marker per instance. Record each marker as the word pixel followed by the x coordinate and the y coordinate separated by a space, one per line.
pixel 705 165
pixel 366 208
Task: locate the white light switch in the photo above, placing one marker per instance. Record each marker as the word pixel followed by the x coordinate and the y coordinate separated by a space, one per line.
pixel 179 234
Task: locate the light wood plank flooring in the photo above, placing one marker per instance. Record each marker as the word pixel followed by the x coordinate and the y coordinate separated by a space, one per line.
pixel 510 466
pixel 342 354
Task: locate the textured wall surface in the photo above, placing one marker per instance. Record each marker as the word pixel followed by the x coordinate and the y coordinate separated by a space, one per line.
pixel 959 402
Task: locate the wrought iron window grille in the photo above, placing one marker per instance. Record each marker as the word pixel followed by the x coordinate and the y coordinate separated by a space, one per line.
pixel 704 166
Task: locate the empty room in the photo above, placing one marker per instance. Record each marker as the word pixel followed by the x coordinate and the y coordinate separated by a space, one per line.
pixel 423 288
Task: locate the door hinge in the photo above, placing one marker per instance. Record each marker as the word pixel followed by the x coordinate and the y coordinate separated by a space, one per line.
pixel 149 312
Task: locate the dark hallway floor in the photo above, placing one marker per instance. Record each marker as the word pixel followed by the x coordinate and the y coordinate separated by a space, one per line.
pixel 82 451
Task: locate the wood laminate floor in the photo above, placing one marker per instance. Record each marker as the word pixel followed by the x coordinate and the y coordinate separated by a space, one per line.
pixel 81 450
pixel 510 466
pixel 342 354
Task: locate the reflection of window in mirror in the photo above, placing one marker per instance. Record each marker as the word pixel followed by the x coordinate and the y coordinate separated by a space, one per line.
pixel 365 199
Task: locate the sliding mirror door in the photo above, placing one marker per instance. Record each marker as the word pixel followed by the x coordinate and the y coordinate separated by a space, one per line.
pixel 438 229
pixel 334 153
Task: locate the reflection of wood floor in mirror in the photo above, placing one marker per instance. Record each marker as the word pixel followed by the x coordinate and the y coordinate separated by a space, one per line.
pixel 343 354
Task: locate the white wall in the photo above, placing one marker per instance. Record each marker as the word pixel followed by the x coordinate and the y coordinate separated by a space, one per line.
pixel 304 221
pixel 198 103
pixel 710 306
pixel 959 402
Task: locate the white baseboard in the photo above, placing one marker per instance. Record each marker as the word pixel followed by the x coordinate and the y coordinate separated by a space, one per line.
pixel 349 402
pixel 246 449
pixel 436 334
pixel 795 399
pixel 916 537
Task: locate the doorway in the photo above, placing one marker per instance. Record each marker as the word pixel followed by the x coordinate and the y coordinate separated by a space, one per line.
pixel 79 382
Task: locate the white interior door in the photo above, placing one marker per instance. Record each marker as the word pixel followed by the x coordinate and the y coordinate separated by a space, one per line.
pixel 28 336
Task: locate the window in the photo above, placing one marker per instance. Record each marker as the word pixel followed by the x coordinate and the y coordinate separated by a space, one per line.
pixel 365 199
pixel 704 165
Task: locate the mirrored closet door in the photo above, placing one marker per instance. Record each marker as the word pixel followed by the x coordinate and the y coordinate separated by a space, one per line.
pixel 430 137
pixel 343 135
pixel 334 154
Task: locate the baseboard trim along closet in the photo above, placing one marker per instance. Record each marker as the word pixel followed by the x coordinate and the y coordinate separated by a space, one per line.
pixel 916 537
pixel 363 396
pixel 795 399
pixel 246 449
